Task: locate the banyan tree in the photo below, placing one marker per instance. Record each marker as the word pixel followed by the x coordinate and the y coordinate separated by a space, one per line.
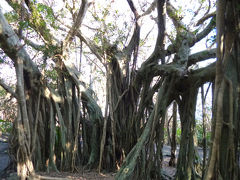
pixel 60 124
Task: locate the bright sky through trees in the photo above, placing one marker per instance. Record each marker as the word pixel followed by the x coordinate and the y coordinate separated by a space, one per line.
pixel 121 10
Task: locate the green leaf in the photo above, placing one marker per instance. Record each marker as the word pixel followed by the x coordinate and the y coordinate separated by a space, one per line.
pixel 47 12
pixel 11 16
pixel 23 24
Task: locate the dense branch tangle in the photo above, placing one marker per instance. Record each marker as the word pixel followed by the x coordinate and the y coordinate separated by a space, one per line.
pixel 133 122
pixel 126 91
pixel 60 107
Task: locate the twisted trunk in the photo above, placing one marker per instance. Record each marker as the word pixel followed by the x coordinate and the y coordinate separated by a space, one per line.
pixel 186 159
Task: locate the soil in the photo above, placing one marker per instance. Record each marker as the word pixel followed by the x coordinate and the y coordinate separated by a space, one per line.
pixel 81 175
pixel 170 171
pixel 94 175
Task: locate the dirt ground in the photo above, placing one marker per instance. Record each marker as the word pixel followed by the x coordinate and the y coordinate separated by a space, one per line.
pixel 94 175
pixel 170 171
pixel 81 175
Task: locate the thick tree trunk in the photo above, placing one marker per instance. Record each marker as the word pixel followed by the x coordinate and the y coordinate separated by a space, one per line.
pixel 224 155
pixel 186 159
pixel 135 161
pixel 96 118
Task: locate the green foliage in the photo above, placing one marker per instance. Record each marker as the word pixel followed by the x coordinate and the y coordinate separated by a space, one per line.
pixel 109 31
pixel 195 32
pixel 52 77
pixel 15 5
pixel 47 12
pixel 199 131
pixel 2 92
pixel 179 12
pixel 201 1
pixel 5 126
pixel 213 21
pixel 97 39
pixel 1 60
pixel 11 16
pixel 51 50
pixel 23 24
pixel 52 74
pixel 39 13
pixel 179 132
pixel 141 43
pixel 37 21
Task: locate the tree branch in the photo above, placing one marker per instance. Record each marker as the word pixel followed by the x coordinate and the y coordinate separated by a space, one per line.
pixel 172 47
pixel 7 88
pixel 150 9
pixel 166 69
pixel 73 31
pixel 206 17
pixel 134 10
pixel 201 56
pixel 203 75
pixel 171 11
pixel 74 74
pixel 92 46
pixel 36 22
pixel 134 41
pixel 11 45
pixel 206 31
pixel 159 51
pixel 159 47
pixel 34 45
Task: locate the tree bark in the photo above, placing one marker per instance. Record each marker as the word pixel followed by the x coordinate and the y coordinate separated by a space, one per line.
pixel 172 161
pixel 223 160
pixel 130 166
pixel 204 140
pixel 186 159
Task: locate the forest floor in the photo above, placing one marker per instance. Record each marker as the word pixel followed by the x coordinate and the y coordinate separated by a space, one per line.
pixel 81 174
pixel 94 175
